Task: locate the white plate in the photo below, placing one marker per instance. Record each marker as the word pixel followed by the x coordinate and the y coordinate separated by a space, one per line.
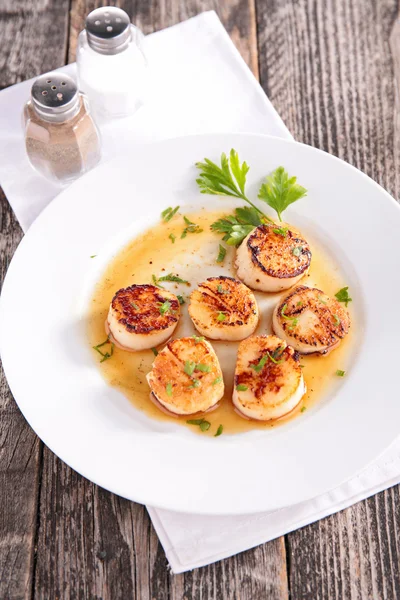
pixel 94 428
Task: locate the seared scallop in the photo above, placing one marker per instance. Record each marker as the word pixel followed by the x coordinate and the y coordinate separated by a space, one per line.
pixel 186 377
pixel 272 258
pixel 268 378
pixel 310 321
pixel 223 308
pixel 142 316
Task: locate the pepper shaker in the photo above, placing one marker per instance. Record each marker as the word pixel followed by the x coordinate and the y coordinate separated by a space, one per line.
pixel 112 68
pixel 61 138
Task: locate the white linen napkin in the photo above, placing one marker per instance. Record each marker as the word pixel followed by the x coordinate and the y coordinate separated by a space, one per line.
pixel 201 85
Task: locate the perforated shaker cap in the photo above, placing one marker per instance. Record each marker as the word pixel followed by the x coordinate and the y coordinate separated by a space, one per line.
pixel 55 97
pixel 108 30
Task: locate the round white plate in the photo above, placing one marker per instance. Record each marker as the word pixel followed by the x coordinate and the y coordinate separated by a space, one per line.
pixel 94 428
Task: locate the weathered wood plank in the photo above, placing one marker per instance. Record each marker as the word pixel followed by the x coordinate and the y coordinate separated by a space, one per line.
pixel 19 461
pixel 94 545
pixel 332 70
pixel 33 40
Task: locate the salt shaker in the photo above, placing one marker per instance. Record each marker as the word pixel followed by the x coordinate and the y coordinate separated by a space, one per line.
pixel 61 138
pixel 112 68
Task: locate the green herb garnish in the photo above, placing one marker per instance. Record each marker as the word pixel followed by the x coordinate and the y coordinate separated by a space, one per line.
pixel 343 296
pixel 203 368
pixel 135 306
pixel 340 373
pixel 195 383
pixel 320 298
pixel 189 367
pixel 237 226
pixel 337 320
pixel 303 408
pixel 260 365
pixel 195 421
pixel 198 338
pixel 241 387
pixel 205 426
pixel 299 303
pixel 105 355
pixel 168 388
pixel 221 254
pixel 280 190
pixel 221 316
pixel 191 228
pixel 297 250
pixel 155 281
pixel 275 356
pixel 168 213
pixel 217 380
pixel 293 320
pixel 165 307
pixel 219 431
pixel 173 278
pixel 181 299
pixel 229 179
pixel 221 290
pixel 154 351
pixel 172 237
pixel 93 256
pixel 281 231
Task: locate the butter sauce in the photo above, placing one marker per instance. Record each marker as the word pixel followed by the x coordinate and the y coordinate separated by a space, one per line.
pixel 194 259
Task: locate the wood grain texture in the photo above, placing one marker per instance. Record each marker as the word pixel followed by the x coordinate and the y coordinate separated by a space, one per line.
pixel 25 29
pixel 332 70
pixel 92 544
pixel 33 38
pixel 19 461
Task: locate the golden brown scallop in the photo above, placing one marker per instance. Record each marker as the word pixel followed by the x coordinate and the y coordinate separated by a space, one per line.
pixel 142 316
pixel 268 378
pixel 310 321
pixel 272 258
pixel 223 308
pixel 186 377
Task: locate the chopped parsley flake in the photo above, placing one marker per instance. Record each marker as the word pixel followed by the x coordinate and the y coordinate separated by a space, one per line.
pixel 221 316
pixel 297 250
pixel 189 367
pixel 241 387
pixel 343 296
pixel 165 307
pixel 219 431
pixel 281 231
pixel 217 380
pixel 172 237
pixel 168 213
pixel 221 254
pixel 105 355
pixel 340 373
pixel 168 388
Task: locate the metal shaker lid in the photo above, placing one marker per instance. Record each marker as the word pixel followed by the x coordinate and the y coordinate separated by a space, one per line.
pixel 55 97
pixel 108 30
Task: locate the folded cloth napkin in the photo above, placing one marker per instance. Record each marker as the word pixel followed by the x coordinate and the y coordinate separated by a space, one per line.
pixel 201 85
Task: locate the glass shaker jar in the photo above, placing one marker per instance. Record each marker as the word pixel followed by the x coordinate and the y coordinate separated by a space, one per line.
pixel 61 138
pixel 112 67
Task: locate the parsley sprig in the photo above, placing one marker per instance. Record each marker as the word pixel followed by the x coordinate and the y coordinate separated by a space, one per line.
pixel 280 190
pixel 229 179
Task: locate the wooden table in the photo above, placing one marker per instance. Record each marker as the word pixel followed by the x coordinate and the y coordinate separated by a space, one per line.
pixel 332 70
